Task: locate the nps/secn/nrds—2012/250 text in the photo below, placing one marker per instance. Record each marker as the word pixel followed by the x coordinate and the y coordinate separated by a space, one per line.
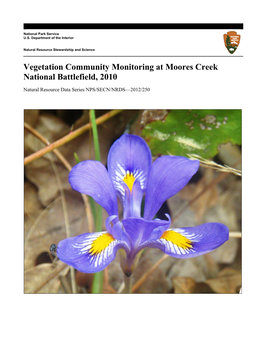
pixel 88 89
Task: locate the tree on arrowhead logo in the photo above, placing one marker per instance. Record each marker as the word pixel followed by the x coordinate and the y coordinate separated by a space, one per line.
pixel 232 40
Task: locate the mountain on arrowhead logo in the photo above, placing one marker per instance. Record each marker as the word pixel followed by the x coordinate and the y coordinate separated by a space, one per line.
pixel 231 40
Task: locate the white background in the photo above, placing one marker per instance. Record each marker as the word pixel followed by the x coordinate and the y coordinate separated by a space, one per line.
pixel 167 87
pixel 135 42
pixel 203 317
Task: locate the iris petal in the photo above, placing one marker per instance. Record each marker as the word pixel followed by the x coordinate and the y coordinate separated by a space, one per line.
pixel 116 229
pixel 191 241
pixel 129 160
pixel 140 230
pixel 92 178
pixel 168 175
pixel 132 201
pixel 89 252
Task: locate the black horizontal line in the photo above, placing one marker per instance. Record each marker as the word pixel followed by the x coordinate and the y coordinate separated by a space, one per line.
pixel 113 26
pixel 143 56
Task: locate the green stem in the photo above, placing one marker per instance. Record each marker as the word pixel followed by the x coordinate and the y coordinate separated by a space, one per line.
pixel 95 135
pixel 128 285
pixel 99 211
pixel 97 286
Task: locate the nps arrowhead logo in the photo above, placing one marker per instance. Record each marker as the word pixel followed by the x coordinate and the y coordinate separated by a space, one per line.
pixel 231 40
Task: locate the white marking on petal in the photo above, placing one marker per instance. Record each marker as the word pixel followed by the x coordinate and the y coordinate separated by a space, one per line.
pixel 120 173
pixel 173 248
pixel 191 236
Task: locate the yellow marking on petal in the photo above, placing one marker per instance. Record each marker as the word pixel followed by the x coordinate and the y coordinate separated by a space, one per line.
pixel 101 243
pixel 177 239
pixel 129 180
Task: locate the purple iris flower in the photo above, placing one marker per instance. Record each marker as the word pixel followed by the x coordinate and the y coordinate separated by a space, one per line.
pixel 130 175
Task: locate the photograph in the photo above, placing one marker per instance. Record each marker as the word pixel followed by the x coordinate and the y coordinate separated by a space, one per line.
pixel 122 201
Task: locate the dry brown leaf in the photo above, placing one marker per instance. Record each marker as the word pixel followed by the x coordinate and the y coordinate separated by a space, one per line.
pixel 228 212
pixel 48 125
pixel 38 277
pixel 228 281
pixel 196 268
pixel 31 204
pixel 157 282
pixel 31 117
pixel 183 285
pixel 230 154
pixel 207 200
pixel 51 228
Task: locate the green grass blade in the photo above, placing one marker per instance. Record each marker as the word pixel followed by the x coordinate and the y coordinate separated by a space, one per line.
pixel 95 136
pixel 97 286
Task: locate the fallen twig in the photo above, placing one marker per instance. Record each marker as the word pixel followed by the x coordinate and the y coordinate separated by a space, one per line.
pixel 72 135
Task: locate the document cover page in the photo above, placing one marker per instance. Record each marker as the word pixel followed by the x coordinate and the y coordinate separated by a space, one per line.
pixel 130 189
pixel 132 176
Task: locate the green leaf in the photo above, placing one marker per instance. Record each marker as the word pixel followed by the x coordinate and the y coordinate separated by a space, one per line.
pixel 200 132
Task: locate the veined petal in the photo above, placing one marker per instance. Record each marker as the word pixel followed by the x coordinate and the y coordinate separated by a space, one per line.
pixel 128 162
pixel 92 178
pixel 132 200
pixel 140 230
pixel 110 222
pixel 89 252
pixel 168 175
pixel 191 241
pixel 158 231
pixel 116 229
